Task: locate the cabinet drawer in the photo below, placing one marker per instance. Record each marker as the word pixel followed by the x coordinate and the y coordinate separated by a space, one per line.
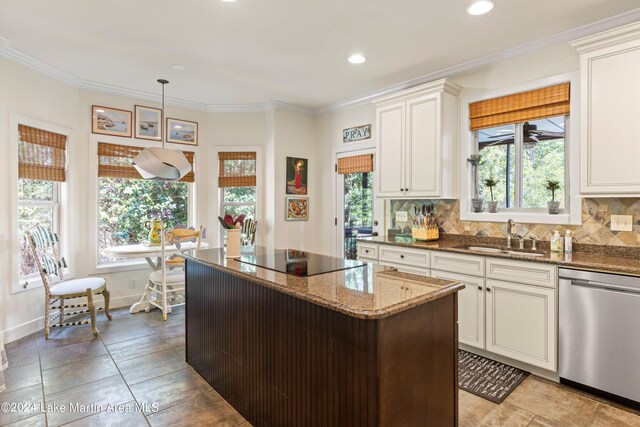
pixel 367 251
pixel 529 273
pixel 406 256
pixel 407 269
pixel 456 263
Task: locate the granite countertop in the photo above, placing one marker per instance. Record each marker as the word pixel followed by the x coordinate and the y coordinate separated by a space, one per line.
pixel 368 292
pixel 608 259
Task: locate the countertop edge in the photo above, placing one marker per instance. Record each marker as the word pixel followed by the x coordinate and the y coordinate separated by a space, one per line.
pixel 602 268
pixel 444 291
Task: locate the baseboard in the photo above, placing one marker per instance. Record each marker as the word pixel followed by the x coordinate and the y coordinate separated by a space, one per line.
pixel 37 324
pixel 549 375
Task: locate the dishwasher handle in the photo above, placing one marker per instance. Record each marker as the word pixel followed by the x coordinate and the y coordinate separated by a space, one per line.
pixel 604 286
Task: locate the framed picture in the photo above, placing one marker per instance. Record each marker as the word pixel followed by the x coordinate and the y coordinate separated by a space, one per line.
pixel 297 209
pixel 297 169
pixel 148 123
pixel 182 131
pixel 111 121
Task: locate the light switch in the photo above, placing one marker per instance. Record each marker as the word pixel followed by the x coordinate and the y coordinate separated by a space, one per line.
pixel 621 223
pixel 402 216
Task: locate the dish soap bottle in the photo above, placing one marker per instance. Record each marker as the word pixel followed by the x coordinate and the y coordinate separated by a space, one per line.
pixel 556 242
pixel 568 241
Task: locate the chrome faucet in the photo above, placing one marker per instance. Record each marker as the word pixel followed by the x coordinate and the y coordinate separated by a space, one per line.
pixel 510 233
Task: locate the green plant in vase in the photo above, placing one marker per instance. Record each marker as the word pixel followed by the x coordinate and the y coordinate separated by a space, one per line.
pixel 490 183
pixel 475 160
pixel 553 205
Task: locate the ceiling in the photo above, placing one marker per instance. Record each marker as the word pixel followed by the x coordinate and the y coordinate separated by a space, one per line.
pixel 295 51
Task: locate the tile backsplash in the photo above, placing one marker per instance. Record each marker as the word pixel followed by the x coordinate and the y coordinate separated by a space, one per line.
pixel 595 228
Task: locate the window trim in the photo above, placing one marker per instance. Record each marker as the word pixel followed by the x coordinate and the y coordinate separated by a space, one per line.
pixel 66 244
pixel 573 202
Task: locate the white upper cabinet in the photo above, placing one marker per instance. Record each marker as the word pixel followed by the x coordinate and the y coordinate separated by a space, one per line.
pixel 417 142
pixel 610 104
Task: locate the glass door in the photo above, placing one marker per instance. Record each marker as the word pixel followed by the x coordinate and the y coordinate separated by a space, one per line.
pixel 356 205
pixel 358 210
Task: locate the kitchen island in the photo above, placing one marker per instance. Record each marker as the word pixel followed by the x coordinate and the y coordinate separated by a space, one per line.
pixel 362 345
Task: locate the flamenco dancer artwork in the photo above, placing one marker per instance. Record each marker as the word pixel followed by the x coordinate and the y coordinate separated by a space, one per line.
pixel 296 175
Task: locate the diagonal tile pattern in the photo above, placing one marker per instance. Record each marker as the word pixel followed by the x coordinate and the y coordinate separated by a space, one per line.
pixel 134 374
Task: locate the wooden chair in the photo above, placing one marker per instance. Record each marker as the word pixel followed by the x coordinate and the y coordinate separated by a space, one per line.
pixel 248 232
pixel 165 283
pixel 44 248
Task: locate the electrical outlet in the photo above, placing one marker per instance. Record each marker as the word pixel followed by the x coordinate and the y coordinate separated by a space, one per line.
pixel 603 208
pixel 132 283
pixel 402 216
pixel 621 223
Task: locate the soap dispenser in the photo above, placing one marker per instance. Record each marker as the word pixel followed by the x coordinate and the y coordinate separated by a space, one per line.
pixel 556 242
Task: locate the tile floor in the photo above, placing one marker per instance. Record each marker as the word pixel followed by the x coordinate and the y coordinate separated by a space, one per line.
pixel 139 360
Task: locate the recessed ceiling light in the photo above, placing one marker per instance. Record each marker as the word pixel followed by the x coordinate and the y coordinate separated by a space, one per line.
pixel 357 59
pixel 480 7
pixel 177 67
pixel 228 1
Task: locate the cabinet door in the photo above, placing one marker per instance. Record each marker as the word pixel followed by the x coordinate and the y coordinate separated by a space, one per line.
pixel 610 105
pixel 521 322
pixel 470 307
pixel 423 146
pixel 390 159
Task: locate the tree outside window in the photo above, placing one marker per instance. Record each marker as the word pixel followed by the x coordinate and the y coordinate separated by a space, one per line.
pixel 522 157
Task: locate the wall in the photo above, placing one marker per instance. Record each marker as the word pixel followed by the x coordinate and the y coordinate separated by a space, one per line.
pixel 274 134
pixel 329 128
pixel 558 60
pixel 595 228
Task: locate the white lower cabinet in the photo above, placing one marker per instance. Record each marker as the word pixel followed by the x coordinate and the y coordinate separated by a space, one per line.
pixel 522 322
pixel 470 307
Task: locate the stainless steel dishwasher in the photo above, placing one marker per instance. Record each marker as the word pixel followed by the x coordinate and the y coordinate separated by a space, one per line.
pixel 599 319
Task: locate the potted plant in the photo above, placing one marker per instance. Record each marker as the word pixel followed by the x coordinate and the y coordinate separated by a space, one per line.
pixel 475 160
pixel 490 183
pixel 553 205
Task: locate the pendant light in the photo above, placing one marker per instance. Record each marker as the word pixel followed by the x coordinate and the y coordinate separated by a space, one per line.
pixel 159 163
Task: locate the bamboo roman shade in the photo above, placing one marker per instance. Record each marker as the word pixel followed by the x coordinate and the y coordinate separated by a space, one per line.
pixel 520 107
pixel 116 161
pixel 41 154
pixel 355 164
pixel 237 169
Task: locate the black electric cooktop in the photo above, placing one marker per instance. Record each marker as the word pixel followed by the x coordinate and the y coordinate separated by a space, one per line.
pixel 299 263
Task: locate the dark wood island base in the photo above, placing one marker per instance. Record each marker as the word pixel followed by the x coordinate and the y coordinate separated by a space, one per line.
pixel 282 360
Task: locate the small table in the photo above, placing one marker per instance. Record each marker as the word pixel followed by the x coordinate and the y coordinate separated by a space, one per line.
pixel 150 253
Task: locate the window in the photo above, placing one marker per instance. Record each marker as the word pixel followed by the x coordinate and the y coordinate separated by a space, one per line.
pixel 41 169
pixel 237 182
pixel 521 157
pixel 126 201
pixel 521 139
pixel 38 204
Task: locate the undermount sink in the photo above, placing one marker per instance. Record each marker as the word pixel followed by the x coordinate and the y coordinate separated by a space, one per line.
pixel 506 251
pixel 483 249
pixel 525 253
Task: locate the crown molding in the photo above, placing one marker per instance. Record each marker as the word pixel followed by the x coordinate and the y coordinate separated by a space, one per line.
pixel 15 55
pixel 285 106
pixel 235 108
pixel 480 63
pixel 141 95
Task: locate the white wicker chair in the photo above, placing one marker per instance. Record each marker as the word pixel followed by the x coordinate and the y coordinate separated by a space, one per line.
pixel 44 248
